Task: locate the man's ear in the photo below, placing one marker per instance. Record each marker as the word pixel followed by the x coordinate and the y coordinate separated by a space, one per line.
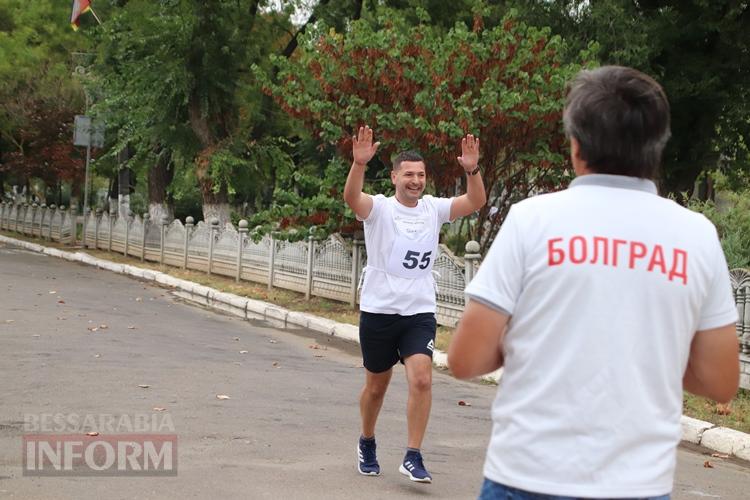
pixel 393 177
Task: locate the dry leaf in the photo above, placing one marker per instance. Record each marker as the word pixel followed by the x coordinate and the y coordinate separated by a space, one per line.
pixel 235 338
pixel 222 396
pixel 131 327
pixel 61 302
pixel 138 299
pixel 159 408
pixel 708 465
pixel 243 352
pixel 719 455
pixel 272 341
pixel 103 327
pixel 276 364
pixel 61 318
pixel 36 335
pixel 9 321
pixel 52 291
pixel 92 329
pixel 318 356
pixel 97 355
pixel 313 346
pixel 464 403
pixel 92 433
pixel 144 386
pixel 723 409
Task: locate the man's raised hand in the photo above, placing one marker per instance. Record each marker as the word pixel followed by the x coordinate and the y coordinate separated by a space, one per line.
pixel 362 147
pixel 469 153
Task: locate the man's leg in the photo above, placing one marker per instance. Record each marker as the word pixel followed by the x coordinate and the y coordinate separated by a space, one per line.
pixel 371 399
pixel 419 377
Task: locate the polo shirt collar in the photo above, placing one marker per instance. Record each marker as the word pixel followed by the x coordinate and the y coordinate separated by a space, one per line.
pixel 615 181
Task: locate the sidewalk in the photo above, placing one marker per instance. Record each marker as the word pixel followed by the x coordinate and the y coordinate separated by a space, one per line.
pixel 720 439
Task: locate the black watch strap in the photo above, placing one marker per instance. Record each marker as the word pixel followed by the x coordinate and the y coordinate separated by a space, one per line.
pixel 474 172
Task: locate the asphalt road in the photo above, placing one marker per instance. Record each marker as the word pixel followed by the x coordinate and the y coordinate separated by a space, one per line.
pixel 289 429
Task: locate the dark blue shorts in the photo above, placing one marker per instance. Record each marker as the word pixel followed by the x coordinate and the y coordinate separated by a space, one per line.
pixel 387 338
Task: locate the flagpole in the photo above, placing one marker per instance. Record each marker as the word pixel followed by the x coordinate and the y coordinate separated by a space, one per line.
pixel 95 16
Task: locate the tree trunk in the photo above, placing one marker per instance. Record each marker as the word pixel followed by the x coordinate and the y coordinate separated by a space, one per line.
pixel 159 177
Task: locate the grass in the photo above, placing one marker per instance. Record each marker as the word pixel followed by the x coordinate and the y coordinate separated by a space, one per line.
pixel 737 418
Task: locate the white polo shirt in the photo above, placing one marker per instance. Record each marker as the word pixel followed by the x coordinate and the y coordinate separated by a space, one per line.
pixel 402 245
pixel 606 284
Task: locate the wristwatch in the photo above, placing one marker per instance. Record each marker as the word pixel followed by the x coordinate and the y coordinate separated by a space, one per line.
pixel 473 172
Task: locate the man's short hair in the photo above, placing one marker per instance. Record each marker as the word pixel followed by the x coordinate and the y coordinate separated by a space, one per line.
pixel 405 156
pixel 620 118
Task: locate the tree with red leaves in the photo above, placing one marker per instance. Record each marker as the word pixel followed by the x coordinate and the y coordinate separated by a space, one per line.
pixel 424 89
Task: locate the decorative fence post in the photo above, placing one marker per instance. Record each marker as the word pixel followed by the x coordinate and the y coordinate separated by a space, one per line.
pixel 310 260
pixel 52 211
pixel 73 225
pixel 34 208
pixel 211 238
pixel 271 259
pixel 41 220
pixel 356 246
pixel 112 215
pixel 162 238
pixel 189 222
pixel 240 245
pixel 97 222
pixel 2 214
pixel 63 213
pixel 471 257
pixel 127 232
pixel 146 222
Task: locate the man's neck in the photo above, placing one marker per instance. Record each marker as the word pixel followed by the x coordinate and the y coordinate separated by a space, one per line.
pixel 406 204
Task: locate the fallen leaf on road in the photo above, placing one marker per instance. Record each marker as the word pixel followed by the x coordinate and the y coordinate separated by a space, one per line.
pixel 719 455
pixel 138 299
pixel 131 327
pixel 273 341
pixel 61 318
pixel 36 335
pixel 144 386
pixel 52 291
pixel 92 329
pixel 159 408
pixel 464 403
pixel 276 364
pixel 61 302
pixel 318 356
pixel 97 355
pixel 9 321
pixel 243 352
pixel 103 327
pixel 222 396
pixel 92 433
pixel 235 338
pixel 313 346
pixel 708 465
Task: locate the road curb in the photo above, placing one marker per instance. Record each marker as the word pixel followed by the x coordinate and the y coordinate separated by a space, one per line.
pixel 720 439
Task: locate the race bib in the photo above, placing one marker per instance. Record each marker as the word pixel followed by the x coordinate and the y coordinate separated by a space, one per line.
pixel 411 259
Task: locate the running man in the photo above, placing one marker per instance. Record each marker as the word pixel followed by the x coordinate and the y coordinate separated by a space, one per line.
pixel 397 318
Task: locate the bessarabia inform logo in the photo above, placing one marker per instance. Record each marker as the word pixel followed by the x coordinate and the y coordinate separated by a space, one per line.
pixel 99 445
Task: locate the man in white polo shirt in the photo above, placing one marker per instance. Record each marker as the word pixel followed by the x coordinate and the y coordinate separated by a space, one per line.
pixel 397 318
pixel 602 302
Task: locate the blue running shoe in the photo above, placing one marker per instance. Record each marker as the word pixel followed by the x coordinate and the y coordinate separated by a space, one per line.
pixel 413 468
pixel 367 462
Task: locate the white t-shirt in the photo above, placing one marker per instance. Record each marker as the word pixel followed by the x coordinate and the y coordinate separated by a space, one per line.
pixel 606 284
pixel 401 247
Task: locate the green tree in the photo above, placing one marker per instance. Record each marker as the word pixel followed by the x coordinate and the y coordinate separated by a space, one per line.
pixel 699 50
pixel 38 97
pixel 422 88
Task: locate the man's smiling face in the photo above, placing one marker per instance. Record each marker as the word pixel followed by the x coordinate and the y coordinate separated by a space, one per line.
pixel 409 179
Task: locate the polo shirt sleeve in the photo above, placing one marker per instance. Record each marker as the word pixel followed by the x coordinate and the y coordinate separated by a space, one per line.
pixel 719 308
pixel 499 281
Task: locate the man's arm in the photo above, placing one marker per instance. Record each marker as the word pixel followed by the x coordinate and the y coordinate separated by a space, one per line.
pixel 475 196
pixel 362 151
pixel 713 368
pixel 476 347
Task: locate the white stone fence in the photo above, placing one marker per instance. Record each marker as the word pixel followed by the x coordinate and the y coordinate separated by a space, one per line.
pixel 329 268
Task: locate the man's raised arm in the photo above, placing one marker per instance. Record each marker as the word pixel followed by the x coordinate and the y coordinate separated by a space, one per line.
pixel 362 151
pixel 475 196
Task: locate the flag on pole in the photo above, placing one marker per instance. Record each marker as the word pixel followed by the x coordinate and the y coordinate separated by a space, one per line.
pixel 79 7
